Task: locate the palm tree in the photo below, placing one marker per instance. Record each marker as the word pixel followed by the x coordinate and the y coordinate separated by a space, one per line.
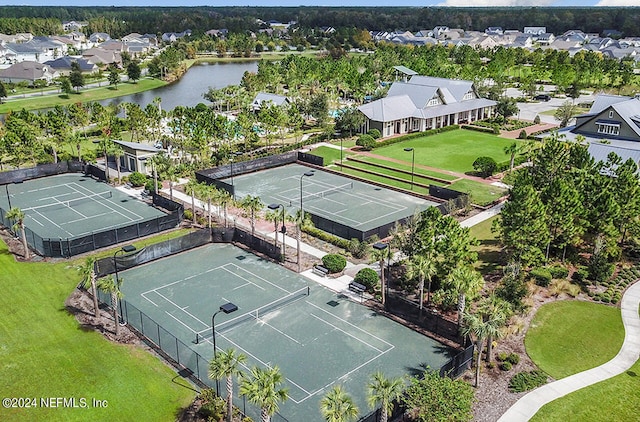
pixel 382 392
pixel 117 152
pixel 511 151
pixel 495 311
pixel 191 188
pixel 112 286
pixel 423 268
pixel 17 215
pixel 223 198
pixel 225 365
pixel 465 281
pixel 338 406
pixel 476 326
pixel 253 205
pixel 262 388
pixel 274 216
pixel 88 271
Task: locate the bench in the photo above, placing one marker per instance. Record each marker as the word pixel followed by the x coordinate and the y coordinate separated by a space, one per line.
pixel 356 287
pixel 320 270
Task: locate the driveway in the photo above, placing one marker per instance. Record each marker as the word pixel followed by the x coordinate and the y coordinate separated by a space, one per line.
pixel 529 111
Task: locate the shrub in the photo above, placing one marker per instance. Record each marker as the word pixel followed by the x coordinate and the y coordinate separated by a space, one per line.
pixel 525 381
pixel 366 142
pixel 505 366
pixel 536 120
pixel 502 356
pixel 580 275
pixel 150 185
pixel 512 358
pixel 374 133
pixel 137 179
pixel 358 248
pixel 334 262
pixel 558 271
pixel 541 276
pixel 367 277
pixel 188 214
pixel 523 134
pixel 486 166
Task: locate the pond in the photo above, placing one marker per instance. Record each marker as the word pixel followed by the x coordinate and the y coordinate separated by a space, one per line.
pixel 189 90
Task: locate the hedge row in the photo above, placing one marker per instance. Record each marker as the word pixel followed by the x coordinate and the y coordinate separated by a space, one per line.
pixel 327 237
pixel 429 132
pixel 481 129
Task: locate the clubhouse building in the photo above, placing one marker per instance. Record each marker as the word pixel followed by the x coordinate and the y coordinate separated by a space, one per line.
pixel 424 102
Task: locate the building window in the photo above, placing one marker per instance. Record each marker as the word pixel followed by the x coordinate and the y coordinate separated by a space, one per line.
pixel 608 128
pixel 468 96
pixel 434 101
pixel 611 114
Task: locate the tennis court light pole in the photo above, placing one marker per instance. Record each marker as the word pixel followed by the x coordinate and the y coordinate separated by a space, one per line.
pixel 301 217
pixel 124 249
pixel 284 228
pixel 227 308
pixel 379 246
pixel 413 162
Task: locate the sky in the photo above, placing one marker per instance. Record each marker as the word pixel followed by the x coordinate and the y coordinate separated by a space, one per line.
pixel 415 3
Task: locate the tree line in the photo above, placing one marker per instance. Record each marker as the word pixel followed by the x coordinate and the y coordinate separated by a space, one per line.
pixel 120 21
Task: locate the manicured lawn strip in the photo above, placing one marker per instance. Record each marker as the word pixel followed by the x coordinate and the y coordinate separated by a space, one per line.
pixel 615 399
pixel 394 173
pixel 386 181
pixel 454 150
pixel 407 167
pixel 45 353
pixel 85 96
pixel 329 154
pixel 568 337
pixel 481 193
pixel 488 250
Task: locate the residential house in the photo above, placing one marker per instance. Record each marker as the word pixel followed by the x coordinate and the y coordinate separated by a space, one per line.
pixel 62 65
pixel 70 26
pixel 135 156
pixel 263 98
pixel 174 36
pixel 28 71
pixel 103 57
pixel 38 49
pixel 425 103
pixel 611 117
pixel 494 30
pixel 98 38
pixel 535 30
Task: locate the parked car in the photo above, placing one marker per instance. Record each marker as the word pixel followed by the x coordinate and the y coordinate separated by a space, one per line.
pixel 542 97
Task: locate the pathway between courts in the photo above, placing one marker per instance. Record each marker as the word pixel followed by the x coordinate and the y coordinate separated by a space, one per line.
pixel 527 406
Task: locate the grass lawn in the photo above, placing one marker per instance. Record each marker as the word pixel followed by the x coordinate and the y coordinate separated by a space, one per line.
pixel 615 399
pixel 481 193
pixel 85 96
pixel 45 353
pixel 568 337
pixel 488 250
pixel 407 167
pixel 454 150
pixel 329 154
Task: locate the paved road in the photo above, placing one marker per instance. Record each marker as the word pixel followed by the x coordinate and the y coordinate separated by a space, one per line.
pixel 529 111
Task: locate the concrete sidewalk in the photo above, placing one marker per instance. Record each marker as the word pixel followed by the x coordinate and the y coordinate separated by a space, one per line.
pixel 482 216
pixel 527 406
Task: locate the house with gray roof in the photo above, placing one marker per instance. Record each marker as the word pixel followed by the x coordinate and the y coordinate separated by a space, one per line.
pixel 424 103
pixel 28 71
pixel 611 117
pixel 264 98
pixel 63 65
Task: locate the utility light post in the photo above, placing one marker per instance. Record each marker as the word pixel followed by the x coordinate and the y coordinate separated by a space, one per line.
pixel 301 217
pixel 124 249
pixel 227 308
pixel 380 247
pixel 413 162
pixel 6 187
pixel 274 207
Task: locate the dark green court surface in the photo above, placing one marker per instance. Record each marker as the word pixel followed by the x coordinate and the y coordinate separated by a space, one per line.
pixel 71 205
pixel 318 340
pixel 360 205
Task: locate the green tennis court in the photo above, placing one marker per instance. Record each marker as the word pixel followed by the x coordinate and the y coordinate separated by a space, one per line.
pixel 72 205
pixel 317 337
pixel 355 204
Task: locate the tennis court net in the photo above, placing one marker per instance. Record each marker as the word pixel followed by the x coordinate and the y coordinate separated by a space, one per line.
pixel 256 314
pixel 69 203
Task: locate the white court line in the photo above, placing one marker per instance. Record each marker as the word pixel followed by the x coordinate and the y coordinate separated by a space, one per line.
pixel 256 276
pixel 348 323
pixel 104 202
pixel 53 223
pixel 347 333
pixel 180 321
pixel 195 318
pixel 242 278
pixel 263 322
pixel 181 280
